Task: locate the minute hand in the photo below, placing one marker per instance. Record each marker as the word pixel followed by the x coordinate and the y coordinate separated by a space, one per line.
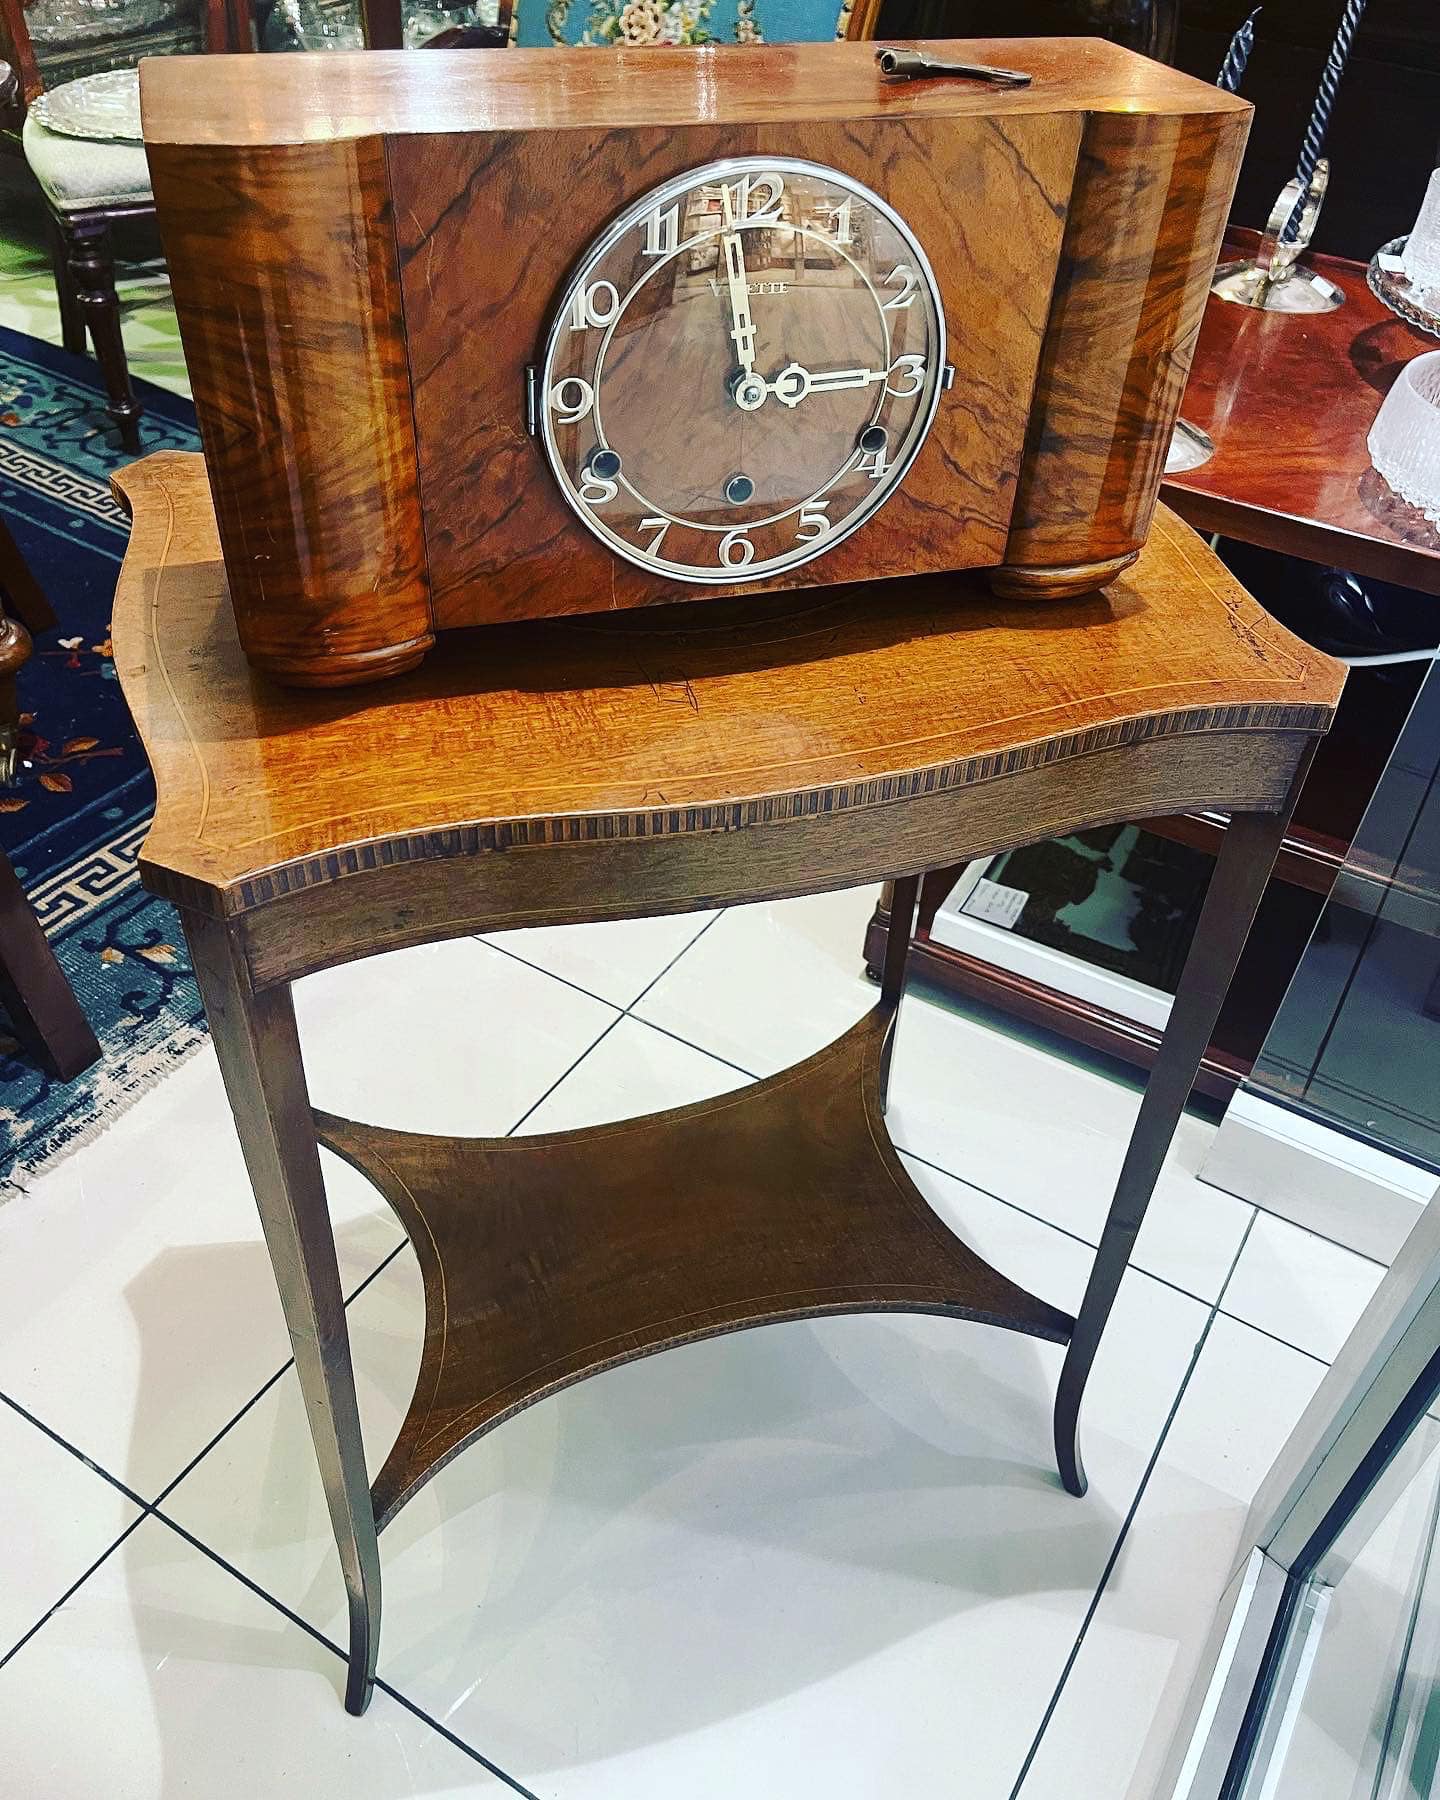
pixel 742 326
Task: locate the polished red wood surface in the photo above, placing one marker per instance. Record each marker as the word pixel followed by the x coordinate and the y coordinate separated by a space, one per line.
pixel 1289 401
pixel 283 271
pixel 1145 225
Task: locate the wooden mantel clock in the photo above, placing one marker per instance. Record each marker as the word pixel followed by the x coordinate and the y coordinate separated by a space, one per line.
pixel 485 336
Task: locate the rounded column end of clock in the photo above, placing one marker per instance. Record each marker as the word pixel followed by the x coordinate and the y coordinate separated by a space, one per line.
pixel 345 668
pixel 1059 581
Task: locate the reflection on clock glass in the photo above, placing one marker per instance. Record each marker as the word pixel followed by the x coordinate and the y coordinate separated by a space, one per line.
pixel 741 369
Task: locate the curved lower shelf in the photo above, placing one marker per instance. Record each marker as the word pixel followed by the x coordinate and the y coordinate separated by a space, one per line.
pixel 546 1259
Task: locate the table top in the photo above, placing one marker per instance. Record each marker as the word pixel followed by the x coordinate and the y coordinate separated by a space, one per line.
pixel 679 720
pixel 1289 400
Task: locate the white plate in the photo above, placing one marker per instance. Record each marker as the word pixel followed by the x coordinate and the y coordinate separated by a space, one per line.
pixel 104 108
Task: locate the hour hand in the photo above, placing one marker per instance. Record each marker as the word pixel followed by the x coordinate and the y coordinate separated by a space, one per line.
pixel 795 381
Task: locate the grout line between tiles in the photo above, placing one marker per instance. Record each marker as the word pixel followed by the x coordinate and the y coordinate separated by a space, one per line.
pixel 79 1455
pixel 564 1073
pixel 1274 1337
pixel 1174 1286
pixel 1322 1236
pixel 621 1014
pixel 540 969
pixel 1131 1511
pixel 320 1638
pixel 589 993
pixel 262 1391
pixel 403 1699
pixel 699 1049
pixel 1040 1219
pixel 45 1617
pixel 684 950
pixel 225 1429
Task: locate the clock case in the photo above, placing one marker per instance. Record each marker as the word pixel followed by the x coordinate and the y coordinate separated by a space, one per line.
pixel 365 250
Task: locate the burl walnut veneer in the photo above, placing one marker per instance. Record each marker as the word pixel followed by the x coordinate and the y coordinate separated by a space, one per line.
pixel 366 249
pixel 608 767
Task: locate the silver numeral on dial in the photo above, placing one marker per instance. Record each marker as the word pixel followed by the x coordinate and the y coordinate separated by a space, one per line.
pixel 911 367
pixel 595 305
pixel 840 213
pixel 736 550
pixel 750 207
pixel 659 527
pixel 662 231
pixel 571 399
pixel 595 490
pixel 873 464
pixel 814 521
pixel 905 278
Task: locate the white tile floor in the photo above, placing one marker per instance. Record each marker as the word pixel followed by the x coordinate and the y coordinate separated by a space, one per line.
pixel 826 1560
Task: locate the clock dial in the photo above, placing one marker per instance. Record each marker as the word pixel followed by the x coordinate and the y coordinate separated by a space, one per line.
pixel 741 369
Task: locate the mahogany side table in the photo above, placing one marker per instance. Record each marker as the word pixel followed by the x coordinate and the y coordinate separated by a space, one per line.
pixel 609 766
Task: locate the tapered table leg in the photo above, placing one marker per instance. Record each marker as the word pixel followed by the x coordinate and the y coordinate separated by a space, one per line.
pixel 1247 856
pixel 903 897
pixel 259 1052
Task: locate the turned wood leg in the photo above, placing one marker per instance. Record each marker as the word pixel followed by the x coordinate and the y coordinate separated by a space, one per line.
pixel 259 1052
pixel 72 314
pixel 1247 855
pixel 92 268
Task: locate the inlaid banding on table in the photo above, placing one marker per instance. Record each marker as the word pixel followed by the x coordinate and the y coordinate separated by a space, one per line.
pixel 519 834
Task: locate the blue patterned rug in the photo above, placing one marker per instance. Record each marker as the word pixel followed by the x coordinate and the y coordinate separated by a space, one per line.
pixel 74 821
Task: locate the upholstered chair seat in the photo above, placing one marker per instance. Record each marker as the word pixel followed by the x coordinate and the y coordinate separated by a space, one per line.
pixel 77 174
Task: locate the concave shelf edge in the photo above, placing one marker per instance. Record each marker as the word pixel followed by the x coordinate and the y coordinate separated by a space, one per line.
pixel 550 1258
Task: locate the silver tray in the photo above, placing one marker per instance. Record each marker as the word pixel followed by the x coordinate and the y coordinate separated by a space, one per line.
pixel 1395 290
pixel 104 108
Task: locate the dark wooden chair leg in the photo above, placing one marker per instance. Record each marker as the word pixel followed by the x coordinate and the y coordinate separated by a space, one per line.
pixel 20 593
pixel 92 268
pixel 259 1052
pixel 14 650
pixel 33 990
pixel 72 314
pixel 1246 858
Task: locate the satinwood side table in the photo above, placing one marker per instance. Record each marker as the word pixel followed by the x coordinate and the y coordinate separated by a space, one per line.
pixel 610 766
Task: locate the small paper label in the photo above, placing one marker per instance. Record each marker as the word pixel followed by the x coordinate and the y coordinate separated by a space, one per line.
pixel 995 903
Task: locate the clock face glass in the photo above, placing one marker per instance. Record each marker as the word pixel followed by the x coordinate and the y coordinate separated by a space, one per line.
pixel 741 370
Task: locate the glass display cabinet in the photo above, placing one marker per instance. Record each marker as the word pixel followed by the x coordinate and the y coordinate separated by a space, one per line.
pixel 1321 1680
pixel 1338 1124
